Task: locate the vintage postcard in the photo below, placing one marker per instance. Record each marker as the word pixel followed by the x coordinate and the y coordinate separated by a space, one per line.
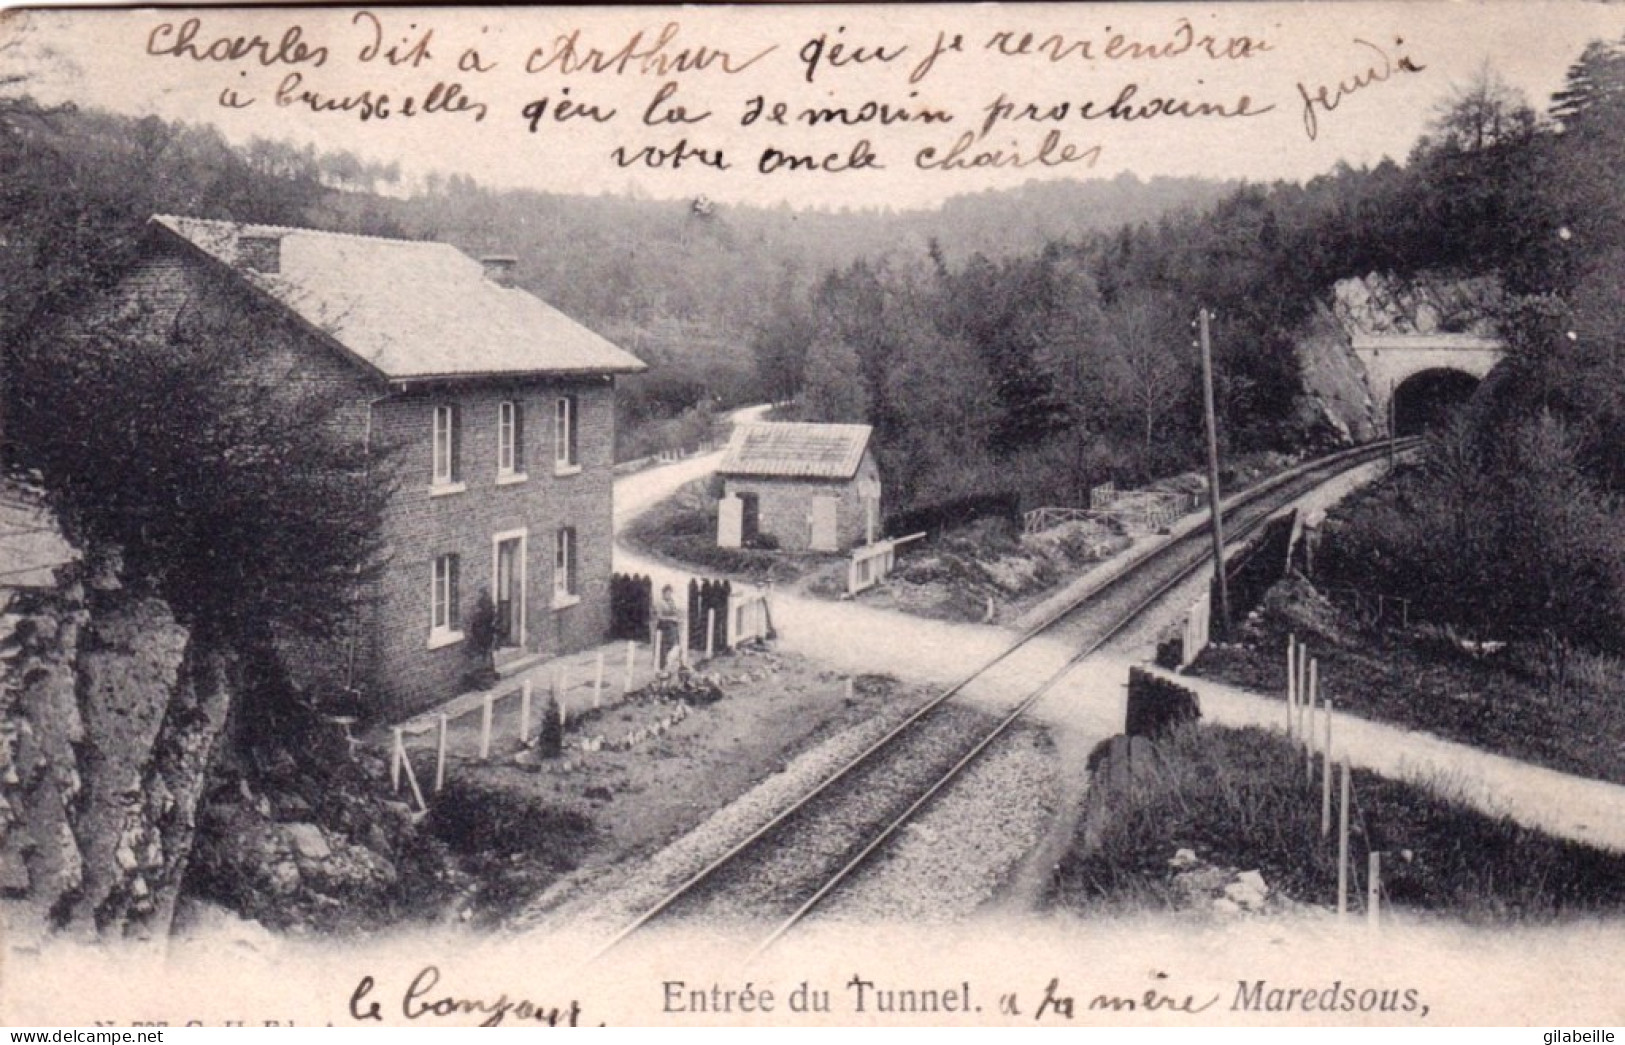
pixel 709 515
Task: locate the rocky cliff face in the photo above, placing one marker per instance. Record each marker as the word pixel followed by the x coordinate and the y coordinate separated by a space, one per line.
pixel 108 723
pixel 1336 387
pixel 1334 381
pixel 115 809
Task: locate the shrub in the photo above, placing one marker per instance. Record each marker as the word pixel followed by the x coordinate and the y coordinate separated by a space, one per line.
pixel 1238 798
pixel 475 818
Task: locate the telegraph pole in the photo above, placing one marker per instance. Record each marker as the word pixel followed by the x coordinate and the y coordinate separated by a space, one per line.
pixel 1213 476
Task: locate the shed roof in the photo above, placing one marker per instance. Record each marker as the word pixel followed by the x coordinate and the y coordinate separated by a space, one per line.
pixel 408 308
pixel 795 450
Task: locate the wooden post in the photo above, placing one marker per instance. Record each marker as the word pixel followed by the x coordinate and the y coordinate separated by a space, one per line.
pixel 485 727
pixel 657 650
pixel 1326 775
pixel 524 712
pixel 1343 842
pixel 1303 671
pixel 1311 688
pixel 598 682
pixel 1309 725
pixel 397 753
pixel 1291 681
pixel 710 633
pixel 682 641
pixel 440 757
pixel 849 688
pixel 1373 890
pixel 631 651
pixel 412 778
pixel 1213 476
pixel 564 715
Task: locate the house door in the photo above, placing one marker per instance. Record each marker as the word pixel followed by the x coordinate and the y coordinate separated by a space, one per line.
pixel 825 513
pixel 510 589
pixel 750 518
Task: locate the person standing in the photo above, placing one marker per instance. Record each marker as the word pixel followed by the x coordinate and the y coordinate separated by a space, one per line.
pixel 668 624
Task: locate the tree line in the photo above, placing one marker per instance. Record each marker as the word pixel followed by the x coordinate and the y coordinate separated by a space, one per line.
pixel 1049 370
pixel 1512 526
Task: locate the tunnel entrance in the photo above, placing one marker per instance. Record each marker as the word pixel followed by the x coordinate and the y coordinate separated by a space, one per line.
pixel 1424 400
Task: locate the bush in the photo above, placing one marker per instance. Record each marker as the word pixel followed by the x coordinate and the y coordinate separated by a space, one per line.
pixel 550 741
pixel 239 502
pixel 476 818
pixel 1506 543
pixel 961 511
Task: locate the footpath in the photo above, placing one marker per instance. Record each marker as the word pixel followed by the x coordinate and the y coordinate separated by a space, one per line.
pixel 1561 804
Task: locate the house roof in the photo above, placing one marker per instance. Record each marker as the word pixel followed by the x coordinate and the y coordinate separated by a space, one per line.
pixel 795 450
pixel 408 308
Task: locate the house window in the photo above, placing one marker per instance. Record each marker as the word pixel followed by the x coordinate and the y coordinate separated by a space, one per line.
pixel 445 614
pixel 565 592
pixel 566 456
pixel 510 441
pixel 448 448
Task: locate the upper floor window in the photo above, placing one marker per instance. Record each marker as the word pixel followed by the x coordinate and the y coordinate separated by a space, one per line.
pixel 510 440
pixel 566 453
pixel 448 447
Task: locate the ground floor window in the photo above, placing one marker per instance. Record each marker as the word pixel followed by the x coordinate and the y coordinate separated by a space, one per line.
pixel 445 614
pixel 564 566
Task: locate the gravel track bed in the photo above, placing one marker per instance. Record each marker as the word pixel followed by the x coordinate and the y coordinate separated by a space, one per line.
pixel 771 879
pixel 600 904
pixel 1007 795
pixel 956 855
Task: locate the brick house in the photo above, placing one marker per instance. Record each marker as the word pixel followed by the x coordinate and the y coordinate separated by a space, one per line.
pixel 501 410
pixel 809 487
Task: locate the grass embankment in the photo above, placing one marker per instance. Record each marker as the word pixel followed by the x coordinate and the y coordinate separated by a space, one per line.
pixel 1509 703
pixel 1239 799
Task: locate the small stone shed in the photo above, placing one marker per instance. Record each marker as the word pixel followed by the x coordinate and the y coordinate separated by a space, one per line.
pixel 805 487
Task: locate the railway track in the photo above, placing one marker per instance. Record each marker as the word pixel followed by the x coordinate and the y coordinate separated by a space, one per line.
pixel 785 869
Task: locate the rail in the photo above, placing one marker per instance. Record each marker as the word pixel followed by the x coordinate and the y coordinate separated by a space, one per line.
pixel 1337 463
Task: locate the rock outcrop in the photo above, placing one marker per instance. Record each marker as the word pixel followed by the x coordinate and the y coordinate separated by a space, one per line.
pixel 109 719
pixel 1337 392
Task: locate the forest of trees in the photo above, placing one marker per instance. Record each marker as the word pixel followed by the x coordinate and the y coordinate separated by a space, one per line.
pixel 1051 369
pixel 1513 525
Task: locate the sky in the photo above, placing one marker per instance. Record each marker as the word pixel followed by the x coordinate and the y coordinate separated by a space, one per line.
pixel 1259 91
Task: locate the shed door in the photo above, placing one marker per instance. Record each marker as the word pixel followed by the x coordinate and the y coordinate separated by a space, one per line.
pixel 825 531
pixel 730 522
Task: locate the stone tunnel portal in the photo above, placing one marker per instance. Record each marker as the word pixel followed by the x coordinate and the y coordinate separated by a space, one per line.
pixel 1426 399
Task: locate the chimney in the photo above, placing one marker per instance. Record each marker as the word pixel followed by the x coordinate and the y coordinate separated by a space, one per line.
pixel 499 269
pixel 260 253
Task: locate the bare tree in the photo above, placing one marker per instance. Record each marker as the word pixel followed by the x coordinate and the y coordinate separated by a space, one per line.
pixel 1148 358
pixel 1482 113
